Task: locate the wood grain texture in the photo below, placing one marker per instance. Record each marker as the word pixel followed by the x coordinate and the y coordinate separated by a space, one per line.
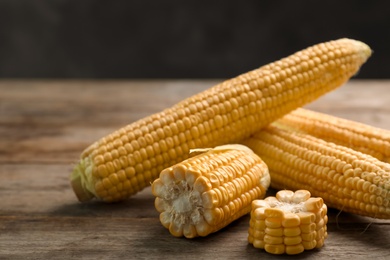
pixel 44 126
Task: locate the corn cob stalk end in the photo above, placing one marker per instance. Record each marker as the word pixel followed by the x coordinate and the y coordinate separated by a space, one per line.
pixel 80 182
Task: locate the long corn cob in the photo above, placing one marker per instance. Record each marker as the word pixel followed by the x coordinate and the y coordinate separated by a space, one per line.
pixel 124 162
pixel 205 193
pixel 346 179
pixel 361 137
pixel 289 223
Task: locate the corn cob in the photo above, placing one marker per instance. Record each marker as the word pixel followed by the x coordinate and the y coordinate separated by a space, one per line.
pixel 361 137
pixel 346 179
pixel 126 161
pixel 206 192
pixel 289 223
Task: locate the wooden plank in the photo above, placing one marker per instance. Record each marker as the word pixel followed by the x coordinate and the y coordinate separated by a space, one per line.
pixel 63 117
pixel 90 103
pixel 64 237
pixel 44 190
pixel 47 222
pixel 365 101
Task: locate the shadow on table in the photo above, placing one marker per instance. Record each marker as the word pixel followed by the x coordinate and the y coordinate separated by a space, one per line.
pixel 140 205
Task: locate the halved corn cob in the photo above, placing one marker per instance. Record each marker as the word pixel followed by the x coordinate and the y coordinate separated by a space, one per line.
pixel 126 161
pixel 206 192
pixel 361 137
pixel 346 179
pixel 289 223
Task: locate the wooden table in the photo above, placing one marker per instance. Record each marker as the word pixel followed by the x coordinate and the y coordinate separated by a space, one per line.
pixel 44 126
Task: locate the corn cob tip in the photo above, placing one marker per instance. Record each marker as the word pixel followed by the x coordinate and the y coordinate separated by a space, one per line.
pixel 365 50
pixel 362 49
pixel 79 181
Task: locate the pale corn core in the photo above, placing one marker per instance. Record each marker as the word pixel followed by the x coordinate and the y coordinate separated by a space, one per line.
pixel 291 207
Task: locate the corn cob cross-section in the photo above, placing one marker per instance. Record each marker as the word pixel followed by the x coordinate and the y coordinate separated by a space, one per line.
pixel 206 192
pixel 346 179
pixel 289 223
pixel 358 136
pixel 126 161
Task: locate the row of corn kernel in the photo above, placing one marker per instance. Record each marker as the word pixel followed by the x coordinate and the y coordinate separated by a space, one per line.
pixel 288 223
pixel 358 136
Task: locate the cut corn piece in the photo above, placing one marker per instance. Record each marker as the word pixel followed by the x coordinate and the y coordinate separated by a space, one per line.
pixel 346 179
pixel 206 192
pixel 358 136
pixel 289 223
pixel 128 160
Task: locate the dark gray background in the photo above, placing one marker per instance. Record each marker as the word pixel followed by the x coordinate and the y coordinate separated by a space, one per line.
pixel 178 39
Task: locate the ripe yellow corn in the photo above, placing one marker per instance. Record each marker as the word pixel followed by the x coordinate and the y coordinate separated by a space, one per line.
pixel 126 161
pixel 361 137
pixel 206 192
pixel 346 179
pixel 289 223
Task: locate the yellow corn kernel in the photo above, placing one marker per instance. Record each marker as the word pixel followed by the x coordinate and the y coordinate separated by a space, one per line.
pixel 299 223
pixel 190 206
pixel 225 113
pixel 358 136
pixel 346 179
